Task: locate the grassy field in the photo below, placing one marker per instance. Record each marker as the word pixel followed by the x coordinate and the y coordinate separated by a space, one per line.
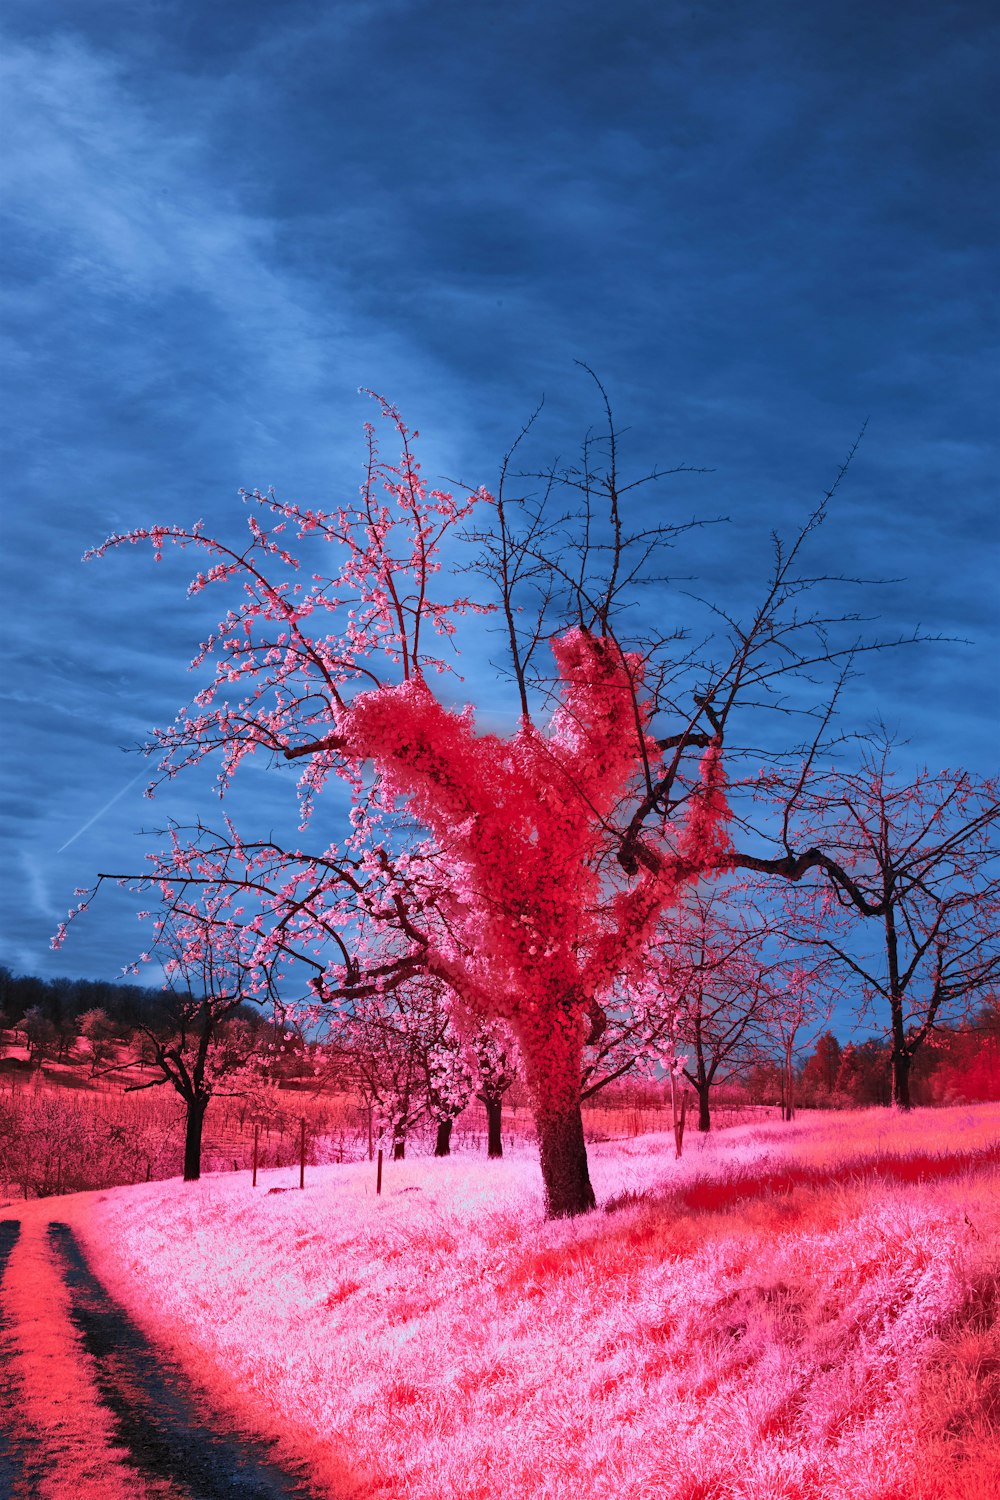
pixel 804 1312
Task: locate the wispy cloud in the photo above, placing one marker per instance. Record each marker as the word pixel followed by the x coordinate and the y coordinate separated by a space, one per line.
pixel 100 812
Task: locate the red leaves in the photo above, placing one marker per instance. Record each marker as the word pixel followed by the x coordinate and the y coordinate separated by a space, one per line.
pixel 705 842
pixel 526 925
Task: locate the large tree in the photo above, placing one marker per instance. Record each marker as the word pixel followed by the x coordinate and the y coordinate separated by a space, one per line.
pixel 543 858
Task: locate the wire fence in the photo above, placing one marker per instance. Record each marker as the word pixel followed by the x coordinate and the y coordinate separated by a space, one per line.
pixel 64 1138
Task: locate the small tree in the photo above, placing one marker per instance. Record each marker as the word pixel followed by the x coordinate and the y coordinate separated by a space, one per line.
pixel 449 1087
pixel 863 1074
pixel 822 1067
pixel 99 1032
pixel 713 959
pixel 39 1034
pixel 381 1045
pixel 917 870
pixel 199 1043
pixel 496 1058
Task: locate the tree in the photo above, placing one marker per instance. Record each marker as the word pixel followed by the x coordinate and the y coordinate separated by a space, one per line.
pixel 381 1045
pixel 863 1075
pixel 968 1058
pixel 449 1087
pixel 921 885
pixel 39 1034
pixel 822 1067
pixel 548 855
pixel 201 1043
pixel 713 960
pixel 96 1026
pixel 416 1034
pixel 800 1009
pixel 495 1052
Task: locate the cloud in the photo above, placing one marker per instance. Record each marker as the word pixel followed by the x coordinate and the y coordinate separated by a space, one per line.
pixel 221 223
pixel 100 812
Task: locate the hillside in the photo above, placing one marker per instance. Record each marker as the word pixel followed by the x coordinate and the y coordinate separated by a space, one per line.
pixel 789 1313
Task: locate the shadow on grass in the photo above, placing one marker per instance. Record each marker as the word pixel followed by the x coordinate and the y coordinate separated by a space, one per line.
pixel 747 1184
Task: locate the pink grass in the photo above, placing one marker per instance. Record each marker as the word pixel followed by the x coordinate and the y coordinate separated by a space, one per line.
pixel 789 1313
pixel 52 1382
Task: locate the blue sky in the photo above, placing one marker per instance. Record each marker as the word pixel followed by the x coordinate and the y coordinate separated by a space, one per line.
pixel 760 224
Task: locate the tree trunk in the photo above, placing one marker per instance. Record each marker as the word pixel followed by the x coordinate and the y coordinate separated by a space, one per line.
pixel 563 1155
pixel 494 1109
pixel 551 1042
pixel 398 1146
pixel 704 1111
pixel 900 1064
pixel 442 1146
pixel 192 1138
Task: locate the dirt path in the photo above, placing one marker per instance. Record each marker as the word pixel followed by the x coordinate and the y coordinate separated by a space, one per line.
pixel 20 1458
pixel 89 1410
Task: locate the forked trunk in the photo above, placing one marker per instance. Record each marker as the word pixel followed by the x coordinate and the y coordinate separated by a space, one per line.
pixel 442 1146
pixel 494 1109
pixel 192 1138
pixel 704 1112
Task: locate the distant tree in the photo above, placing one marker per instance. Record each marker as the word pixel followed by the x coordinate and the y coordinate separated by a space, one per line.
pixel 921 866
pixel 449 1087
pixel 496 1057
pixel 968 1058
pixel 821 1068
pixel 96 1026
pixel 864 1073
pixel 199 1043
pixel 39 1034
pixel 763 1082
pixel 380 1045
pixel 431 1032
pixel 713 958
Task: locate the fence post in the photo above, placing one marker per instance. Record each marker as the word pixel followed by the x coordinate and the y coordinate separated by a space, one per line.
pixel 378 1176
pixel 302 1153
pixel 256 1141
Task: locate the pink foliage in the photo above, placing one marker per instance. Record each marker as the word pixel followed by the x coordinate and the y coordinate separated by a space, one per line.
pixel 530 927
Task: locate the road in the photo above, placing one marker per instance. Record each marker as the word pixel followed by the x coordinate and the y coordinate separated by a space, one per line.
pixel 89 1410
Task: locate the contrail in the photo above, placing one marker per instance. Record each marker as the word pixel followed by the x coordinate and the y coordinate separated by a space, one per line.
pixel 100 812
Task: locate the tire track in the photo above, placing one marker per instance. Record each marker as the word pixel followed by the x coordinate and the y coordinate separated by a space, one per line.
pixel 156 1414
pixel 18 1473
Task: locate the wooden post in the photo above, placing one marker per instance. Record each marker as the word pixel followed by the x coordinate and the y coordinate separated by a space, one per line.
pixel 256 1143
pixel 302 1153
pixel 378 1176
pixel 678 1133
